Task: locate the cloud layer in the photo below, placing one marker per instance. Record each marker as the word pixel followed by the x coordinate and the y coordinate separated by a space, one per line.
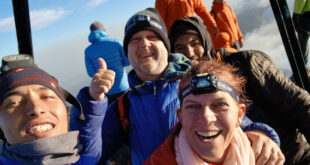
pixel 95 3
pixel 44 17
pixel 39 19
pixel 7 24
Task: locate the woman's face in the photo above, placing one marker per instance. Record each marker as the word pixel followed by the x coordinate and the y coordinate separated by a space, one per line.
pixel 209 121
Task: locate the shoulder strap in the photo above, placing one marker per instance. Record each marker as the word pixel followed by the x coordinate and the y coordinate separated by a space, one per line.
pixel 123 105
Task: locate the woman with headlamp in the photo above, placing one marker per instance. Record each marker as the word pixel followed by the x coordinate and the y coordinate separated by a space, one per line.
pixel 212 108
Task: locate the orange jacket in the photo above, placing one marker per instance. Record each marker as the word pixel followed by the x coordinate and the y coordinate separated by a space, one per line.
pixel 172 10
pixel 165 154
pixel 226 21
pixel 222 40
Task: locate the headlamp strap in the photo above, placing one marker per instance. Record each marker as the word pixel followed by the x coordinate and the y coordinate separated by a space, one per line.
pixel 207 83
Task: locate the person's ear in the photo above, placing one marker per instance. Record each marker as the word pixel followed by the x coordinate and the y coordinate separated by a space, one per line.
pixel 179 115
pixel 241 112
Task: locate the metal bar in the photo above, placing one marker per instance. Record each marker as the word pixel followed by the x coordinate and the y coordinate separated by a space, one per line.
pixel 294 43
pixel 22 25
pixel 291 45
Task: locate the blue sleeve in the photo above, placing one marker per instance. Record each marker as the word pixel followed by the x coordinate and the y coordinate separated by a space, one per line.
pixel 5 161
pixel 248 125
pixel 91 128
pixel 101 133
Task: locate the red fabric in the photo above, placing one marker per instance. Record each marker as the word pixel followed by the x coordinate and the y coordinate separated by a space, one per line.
pixel 226 21
pixel 172 10
pixel 163 155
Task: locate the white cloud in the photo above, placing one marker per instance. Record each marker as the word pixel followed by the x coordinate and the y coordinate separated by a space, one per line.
pixel 38 18
pixel 95 3
pixel 261 32
pixel 245 4
pixel 267 39
pixel 7 24
pixel 44 17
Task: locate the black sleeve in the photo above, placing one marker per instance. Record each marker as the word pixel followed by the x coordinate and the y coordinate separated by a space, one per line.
pixel 268 86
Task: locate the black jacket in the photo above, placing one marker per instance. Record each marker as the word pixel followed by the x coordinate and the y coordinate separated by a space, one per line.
pixel 277 101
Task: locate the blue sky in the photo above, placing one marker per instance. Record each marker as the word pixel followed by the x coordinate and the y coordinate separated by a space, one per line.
pixel 60 31
pixel 55 20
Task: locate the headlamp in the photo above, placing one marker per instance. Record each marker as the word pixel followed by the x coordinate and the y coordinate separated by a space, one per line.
pixel 207 83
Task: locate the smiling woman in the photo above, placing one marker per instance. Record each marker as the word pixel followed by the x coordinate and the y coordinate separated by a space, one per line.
pixel 210 115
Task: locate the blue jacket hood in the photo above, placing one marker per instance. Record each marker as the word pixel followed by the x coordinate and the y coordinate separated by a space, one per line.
pixel 96 35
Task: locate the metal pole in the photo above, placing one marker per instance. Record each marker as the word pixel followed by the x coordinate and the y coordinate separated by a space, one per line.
pixel 23 28
pixel 291 45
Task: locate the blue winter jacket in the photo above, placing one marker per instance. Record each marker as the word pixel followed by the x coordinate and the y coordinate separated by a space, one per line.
pixel 84 160
pixel 111 50
pixel 152 115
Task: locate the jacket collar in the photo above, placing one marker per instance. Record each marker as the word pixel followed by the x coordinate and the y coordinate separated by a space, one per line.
pixel 96 35
pixel 178 65
pixel 45 150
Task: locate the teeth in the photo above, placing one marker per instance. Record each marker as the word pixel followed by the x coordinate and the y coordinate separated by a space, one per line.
pixel 146 55
pixel 40 128
pixel 209 134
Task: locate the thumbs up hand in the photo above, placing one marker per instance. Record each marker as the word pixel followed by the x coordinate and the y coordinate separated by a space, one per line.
pixel 102 81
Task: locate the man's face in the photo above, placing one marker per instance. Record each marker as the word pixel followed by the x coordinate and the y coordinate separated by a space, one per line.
pixel 189 45
pixel 147 55
pixel 32 112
